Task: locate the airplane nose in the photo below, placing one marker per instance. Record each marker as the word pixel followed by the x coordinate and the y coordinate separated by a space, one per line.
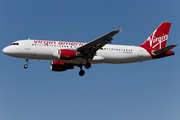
pixel 6 50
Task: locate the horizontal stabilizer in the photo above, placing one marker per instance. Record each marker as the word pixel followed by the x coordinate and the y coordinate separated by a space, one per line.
pixel 165 49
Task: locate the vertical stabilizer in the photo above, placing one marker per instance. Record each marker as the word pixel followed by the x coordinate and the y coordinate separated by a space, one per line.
pixel 158 38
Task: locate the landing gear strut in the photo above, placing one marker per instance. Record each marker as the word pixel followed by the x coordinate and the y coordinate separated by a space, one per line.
pixel 81 72
pixel 26 65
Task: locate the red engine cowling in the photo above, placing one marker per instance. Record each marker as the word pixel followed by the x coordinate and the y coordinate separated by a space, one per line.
pixel 60 66
pixel 67 54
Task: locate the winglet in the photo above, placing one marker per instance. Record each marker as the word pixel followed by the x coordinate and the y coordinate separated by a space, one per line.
pixel 120 30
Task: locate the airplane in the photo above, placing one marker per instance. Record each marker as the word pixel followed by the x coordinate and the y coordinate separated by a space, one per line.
pixel 66 55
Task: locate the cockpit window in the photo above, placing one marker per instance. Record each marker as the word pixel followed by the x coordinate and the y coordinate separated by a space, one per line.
pixel 15 43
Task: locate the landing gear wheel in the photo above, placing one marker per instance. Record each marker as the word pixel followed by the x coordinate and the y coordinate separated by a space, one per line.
pixel 87 65
pixel 25 66
pixel 81 72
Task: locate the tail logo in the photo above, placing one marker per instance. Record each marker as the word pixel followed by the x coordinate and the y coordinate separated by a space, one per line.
pixel 153 41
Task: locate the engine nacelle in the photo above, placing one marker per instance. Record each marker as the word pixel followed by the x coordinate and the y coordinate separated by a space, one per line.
pixel 60 66
pixel 65 54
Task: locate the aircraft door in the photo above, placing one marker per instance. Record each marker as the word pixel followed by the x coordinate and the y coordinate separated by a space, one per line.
pixel 140 52
pixel 27 44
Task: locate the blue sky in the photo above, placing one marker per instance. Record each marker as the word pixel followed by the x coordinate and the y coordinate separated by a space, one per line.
pixel 136 91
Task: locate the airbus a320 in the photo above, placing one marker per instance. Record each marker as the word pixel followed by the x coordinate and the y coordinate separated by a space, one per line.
pixel 66 55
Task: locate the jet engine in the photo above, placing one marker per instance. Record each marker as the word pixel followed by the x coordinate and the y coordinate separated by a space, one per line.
pixel 65 54
pixel 60 66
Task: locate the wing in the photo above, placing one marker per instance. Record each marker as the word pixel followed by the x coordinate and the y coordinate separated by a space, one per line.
pixel 91 47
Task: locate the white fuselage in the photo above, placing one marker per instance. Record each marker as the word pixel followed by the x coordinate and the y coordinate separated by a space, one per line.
pixel 47 50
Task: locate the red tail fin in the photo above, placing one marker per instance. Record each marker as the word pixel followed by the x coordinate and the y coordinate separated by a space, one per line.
pixel 158 38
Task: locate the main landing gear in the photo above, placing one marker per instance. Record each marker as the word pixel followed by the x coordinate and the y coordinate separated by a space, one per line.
pixel 81 72
pixel 26 65
pixel 87 66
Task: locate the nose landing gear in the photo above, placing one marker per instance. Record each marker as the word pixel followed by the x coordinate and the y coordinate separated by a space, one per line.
pixel 26 65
